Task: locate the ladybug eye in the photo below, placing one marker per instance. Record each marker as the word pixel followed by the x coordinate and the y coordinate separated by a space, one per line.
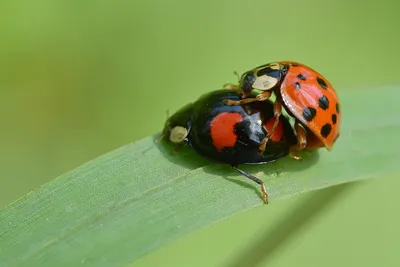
pixel 247 81
pixel 178 134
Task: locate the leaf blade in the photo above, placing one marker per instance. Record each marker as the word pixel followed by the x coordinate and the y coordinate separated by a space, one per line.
pixel 114 209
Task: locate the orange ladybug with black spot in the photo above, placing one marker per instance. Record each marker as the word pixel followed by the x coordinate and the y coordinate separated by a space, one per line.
pixel 305 94
pixel 231 134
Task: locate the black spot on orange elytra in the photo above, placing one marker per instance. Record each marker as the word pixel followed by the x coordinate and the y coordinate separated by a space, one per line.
pixel 301 77
pixel 297 85
pixel 322 83
pixel 337 108
pixel 309 113
pixel 326 130
pixel 323 102
pixel 334 118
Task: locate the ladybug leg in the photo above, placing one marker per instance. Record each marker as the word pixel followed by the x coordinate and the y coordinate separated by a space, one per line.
pixel 240 102
pixel 179 146
pixel 260 97
pixel 255 179
pixel 301 141
pixel 263 145
pixel 264 95
pixel 277 114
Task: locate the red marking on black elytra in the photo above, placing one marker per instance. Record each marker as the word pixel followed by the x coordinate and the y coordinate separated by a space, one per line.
pixel 222 130
pixel 278 134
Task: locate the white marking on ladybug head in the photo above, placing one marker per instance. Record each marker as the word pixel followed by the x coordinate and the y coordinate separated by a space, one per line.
pixel 178 134
pixel 264 82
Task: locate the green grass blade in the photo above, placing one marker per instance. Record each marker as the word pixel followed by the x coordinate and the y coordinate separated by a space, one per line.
pixel 130 201
pixel 264 248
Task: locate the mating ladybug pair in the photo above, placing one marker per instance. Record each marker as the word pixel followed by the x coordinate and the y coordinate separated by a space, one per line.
pixel 241 125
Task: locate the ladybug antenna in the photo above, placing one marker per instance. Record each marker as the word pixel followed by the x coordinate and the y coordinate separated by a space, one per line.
pixel 163 135
pixel 237 74
pixel 160 138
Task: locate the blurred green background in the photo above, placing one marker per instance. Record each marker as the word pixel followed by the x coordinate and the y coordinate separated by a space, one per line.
pixel 80 78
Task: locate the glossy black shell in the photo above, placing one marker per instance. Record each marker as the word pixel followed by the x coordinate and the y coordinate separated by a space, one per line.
pixel 197 118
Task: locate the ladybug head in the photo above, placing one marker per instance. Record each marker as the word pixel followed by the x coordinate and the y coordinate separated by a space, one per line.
pixel 177 127
pixel 261 78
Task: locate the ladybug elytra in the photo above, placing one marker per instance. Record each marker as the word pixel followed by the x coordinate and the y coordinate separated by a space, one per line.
pixel 231 134
pixel 304 93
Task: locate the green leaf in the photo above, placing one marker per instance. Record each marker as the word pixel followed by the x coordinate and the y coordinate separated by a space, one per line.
pixel 116 208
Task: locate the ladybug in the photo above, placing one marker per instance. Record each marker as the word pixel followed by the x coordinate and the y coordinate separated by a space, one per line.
pixel 305 94
pixel 230 134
